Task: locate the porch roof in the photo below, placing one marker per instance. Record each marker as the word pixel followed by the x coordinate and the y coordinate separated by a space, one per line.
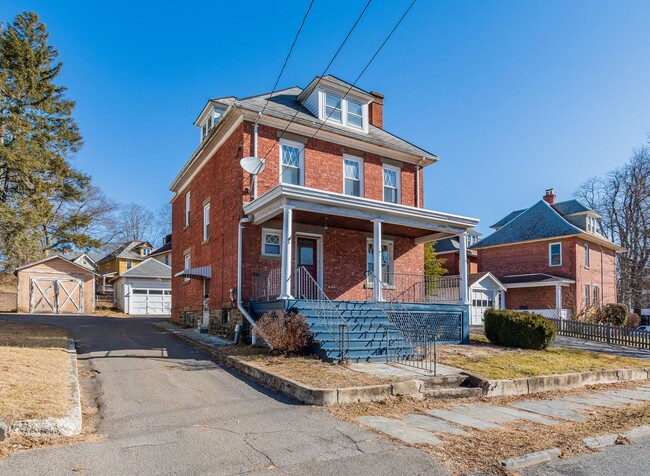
pixel 534 280
pixel 318 207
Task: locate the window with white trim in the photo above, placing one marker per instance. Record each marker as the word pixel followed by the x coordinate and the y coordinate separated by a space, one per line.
pixel 387 263
pixel 271 243
pixel 355 114
pixel 391 184
pixel 292 157
pixel 586 255
pixel 188 262
pixel 333 108
pixel 187 209
pixel 206 221
pixel 587 297
pixel 555 254
pixel 352 176
pixel 596 292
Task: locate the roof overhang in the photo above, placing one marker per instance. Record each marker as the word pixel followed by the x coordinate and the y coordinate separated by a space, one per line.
pixel 555 281
pixel 605 243
pixel 490 277
pixel 430 225
pixel 45 260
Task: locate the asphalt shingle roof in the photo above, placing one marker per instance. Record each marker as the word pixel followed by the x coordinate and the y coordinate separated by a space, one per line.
pixel 538 222
pixel 149 268
pixel 507 218
pixel 570 207
pixel 531 278
pixel 283 104
pixel 164 248
pixel 125 251
pixel 447 244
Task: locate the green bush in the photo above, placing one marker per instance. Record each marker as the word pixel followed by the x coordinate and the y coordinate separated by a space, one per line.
pixel 518 329
pixel 615 314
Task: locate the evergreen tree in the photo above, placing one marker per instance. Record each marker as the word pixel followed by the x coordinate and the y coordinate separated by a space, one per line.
pixel 42 196
pixel 432 264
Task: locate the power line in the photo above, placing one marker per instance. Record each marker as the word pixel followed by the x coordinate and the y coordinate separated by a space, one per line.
pixel 322 74
pixel 286 60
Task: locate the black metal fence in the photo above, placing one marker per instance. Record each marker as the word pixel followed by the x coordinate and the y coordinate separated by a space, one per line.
pixel 602 333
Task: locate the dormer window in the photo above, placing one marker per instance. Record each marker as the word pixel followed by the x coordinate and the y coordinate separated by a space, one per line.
pixel 210 122
pixel 343 110
pixel 592 225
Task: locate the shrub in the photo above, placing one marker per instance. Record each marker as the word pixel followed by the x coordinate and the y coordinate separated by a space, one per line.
pixel 592 314
pixel 518 329
pixel 287 332
pixel 633 320
pixel 615 314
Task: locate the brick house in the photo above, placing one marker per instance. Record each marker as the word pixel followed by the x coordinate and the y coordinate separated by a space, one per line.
pixel 335 197
pixel 551 258
pixel 448 250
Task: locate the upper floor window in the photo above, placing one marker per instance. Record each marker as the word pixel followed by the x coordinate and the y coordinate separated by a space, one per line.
pixel 586 255
pixel 592 224
pixel 555 254
pixel 292 156
pixel 345 111
pixel 352 176
pixel 146 251
pixel 129 264
pixel 391 184
pixel 187 209
pixel 188 262
pixel 206 222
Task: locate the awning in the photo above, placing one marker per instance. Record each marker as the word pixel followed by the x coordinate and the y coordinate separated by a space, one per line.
pixel 200 272
pixel 534 280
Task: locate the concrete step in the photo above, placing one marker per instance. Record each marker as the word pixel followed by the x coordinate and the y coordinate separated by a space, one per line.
pixel 432 383
pixel 452 392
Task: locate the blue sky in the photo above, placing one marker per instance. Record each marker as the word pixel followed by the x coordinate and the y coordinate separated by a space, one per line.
pixel 515 97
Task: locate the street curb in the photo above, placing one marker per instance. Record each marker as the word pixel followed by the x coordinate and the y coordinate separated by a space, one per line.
pixel 531 459
pixel 611 439
pixel 69 425
pixel 548 383
pixel 299 391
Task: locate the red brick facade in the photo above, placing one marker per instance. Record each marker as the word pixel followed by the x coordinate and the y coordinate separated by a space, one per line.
pixel 533 257
pixel 222 182
pixel 451 262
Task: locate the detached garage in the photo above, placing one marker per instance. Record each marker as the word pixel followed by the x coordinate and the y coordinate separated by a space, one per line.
pixel 56 285
pixel 144 289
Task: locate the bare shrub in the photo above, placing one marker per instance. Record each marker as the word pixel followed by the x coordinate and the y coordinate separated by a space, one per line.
pixel 633 320
pixel 287 332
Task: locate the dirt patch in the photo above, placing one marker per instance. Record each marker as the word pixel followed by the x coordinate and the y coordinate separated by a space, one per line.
pixel 495 362
pixel 482 450
pixel 309 371
pixel 106 309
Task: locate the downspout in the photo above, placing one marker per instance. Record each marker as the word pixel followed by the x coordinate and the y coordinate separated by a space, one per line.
pixel 254 176
pixel 240 306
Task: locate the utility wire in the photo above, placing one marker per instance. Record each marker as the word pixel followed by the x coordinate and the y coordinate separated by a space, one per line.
pixel 322 74
pixel 286 60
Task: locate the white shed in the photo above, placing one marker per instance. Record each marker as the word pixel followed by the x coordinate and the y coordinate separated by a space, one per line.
pixel 485 291
pixel 144 289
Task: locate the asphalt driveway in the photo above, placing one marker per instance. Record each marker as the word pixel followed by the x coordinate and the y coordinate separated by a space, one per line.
pixel 169 409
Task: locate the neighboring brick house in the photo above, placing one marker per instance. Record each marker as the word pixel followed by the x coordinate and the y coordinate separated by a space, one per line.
pixel 551 258
pixel 448 250
pixel 338 196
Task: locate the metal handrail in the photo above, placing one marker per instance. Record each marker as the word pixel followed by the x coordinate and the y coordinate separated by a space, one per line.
pixel 308 290
pixel 422 288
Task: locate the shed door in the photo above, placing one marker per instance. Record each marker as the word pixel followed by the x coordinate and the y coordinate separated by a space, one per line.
pixel 60 296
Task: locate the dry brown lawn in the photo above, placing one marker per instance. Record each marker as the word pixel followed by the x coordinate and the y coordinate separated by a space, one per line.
pixel 106 309
pixel 494 362
pixel 481 450
pixel 33 371
pixel 309 371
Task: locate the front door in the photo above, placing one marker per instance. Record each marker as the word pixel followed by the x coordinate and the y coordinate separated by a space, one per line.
pixel 307 257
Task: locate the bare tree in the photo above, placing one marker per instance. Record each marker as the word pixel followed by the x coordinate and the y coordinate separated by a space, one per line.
pixel 164 219
pixel 135 223
pixel 622 198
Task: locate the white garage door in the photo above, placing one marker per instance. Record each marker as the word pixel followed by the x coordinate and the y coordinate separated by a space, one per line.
pixel 481 300
pixel 150 301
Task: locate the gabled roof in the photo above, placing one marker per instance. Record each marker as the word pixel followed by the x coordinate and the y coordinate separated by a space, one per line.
pixel 509 217
pixel 449 245
pixel 163 249
pixel 475 278
pixel 570 207
pixel 53 257
pixel 538 222
pixel 126 251
pixel 149 268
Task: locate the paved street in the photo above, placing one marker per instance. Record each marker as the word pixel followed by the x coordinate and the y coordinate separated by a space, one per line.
pixel 168 409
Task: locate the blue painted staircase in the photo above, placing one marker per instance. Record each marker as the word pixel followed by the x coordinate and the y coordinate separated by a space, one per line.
pixel 368 326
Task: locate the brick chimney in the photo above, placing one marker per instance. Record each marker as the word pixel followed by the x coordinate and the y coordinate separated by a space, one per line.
pixel 550 196
pixel 376 110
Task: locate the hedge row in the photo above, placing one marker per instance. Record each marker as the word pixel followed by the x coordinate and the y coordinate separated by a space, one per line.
pixel 518 329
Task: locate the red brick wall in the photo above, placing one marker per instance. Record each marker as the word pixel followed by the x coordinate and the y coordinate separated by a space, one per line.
pixel 601 272
pixel 451 262
pixel 324 167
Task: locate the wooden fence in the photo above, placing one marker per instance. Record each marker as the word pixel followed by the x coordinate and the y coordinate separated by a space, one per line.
pixel 602 333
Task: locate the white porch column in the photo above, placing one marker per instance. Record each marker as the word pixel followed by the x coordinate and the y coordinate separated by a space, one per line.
pixel 502 299
pixel 463 268
pixel 558 300
pixel 286 270
pixel 376 259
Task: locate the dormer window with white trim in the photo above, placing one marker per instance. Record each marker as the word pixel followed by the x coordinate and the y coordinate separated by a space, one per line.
pixel 210 122
pixel 592 225
pixel 343 110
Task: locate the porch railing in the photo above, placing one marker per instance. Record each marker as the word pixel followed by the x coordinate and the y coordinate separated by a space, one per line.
pixel 267 285
pixel 419 288
pixel 327 313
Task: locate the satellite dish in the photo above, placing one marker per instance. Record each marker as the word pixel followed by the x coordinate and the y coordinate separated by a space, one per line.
pixel 252 165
